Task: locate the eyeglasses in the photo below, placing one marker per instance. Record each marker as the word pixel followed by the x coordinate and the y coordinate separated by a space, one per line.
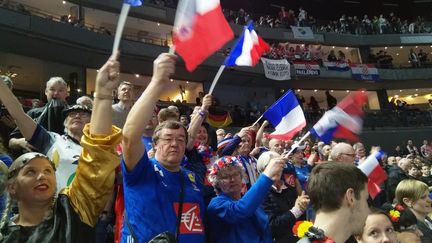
pixel 230 177
pixel 179 140
pixel 350 155
pixel 80 113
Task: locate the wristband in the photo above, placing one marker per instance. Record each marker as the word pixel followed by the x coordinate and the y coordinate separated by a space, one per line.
pixel 297 212
pixel 102 96
pixel 202 113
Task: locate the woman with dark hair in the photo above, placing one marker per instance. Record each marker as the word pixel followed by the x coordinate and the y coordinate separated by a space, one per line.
pixel 69 216
pixel 378 228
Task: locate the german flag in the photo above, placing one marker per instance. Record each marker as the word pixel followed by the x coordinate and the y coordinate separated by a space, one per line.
pixel 219 119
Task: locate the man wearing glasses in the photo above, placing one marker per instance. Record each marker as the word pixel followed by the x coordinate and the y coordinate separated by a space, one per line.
pixel 343 152
pixel 152 186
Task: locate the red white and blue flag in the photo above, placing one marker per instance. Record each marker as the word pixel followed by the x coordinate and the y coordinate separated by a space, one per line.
pixel 337 66
pixel 248 50
pixel 286 116
pixel 376 174
pixel 200 29
pixel 307 68
pixel 364 72
pixel 345 120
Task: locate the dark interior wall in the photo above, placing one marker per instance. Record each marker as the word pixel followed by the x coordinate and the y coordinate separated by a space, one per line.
pixel 388 139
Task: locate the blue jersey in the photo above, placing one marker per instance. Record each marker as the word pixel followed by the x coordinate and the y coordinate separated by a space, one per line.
pixel 148 143
pixel 151 197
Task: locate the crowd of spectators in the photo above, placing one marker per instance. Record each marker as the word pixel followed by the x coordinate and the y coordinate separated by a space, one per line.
pixel 176 178
pixel 390 24
pixel 292 52
pixel 160 157
pixel 346 24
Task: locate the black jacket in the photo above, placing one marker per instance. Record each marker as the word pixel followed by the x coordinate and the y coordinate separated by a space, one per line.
pixel 278 206
pixel 396 175
pixel 65 226
pixel 427 232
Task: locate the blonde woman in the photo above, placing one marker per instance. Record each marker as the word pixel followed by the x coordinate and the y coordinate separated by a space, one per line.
pixel 45 216
pixel 414 195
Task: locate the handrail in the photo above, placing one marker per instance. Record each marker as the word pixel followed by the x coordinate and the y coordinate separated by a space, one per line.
pixel 23 8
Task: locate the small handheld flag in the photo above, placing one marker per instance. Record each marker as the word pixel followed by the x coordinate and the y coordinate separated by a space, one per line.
pixel 376 174
pixel 200 29
pixel 345 120
pixel 286 116
pixel 248 50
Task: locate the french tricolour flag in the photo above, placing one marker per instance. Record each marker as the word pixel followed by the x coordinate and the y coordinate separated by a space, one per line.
pixel 248 50
pixel 345 120
pixel 200 29
pixel 376 174
pixel 286 116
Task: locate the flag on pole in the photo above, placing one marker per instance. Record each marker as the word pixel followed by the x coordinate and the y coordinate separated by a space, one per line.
pixel 200 29
pixel 345 120
pixel 133 3
pixel 286 116
pixel 376 174
pixel 248 50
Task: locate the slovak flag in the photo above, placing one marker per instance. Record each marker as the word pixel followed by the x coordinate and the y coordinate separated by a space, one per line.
pixel 376 174
pixel 200 29
pixel 133 3
pixel 286 116
pixel 248 50
pixel 345 120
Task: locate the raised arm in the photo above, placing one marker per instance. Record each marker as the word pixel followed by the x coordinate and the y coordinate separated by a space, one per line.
pixel 106 81
pixel 26 125
pixel 141 112
pixel 234 211
pixel 94 180
pixel 197 120
pixel 260 132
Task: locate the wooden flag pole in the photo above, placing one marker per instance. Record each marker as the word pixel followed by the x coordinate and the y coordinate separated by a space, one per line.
pixel 120 26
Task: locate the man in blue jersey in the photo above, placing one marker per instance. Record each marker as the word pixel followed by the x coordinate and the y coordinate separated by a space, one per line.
pixel 152 186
